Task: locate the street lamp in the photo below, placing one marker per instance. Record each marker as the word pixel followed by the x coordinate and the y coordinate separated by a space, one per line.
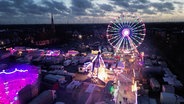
pixel 80 36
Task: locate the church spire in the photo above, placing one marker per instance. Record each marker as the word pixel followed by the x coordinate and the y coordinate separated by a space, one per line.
pixel 52 23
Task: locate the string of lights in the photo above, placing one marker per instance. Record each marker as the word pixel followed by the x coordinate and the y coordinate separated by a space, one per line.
pixel 16 70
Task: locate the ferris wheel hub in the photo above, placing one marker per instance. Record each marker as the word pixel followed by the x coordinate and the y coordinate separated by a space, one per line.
pixel 125 32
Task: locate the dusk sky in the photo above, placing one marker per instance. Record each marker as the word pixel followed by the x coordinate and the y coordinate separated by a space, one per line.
pixel 88 11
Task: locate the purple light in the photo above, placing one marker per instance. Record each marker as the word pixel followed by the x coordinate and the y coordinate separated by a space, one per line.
pixel 140 63
pixel 11 82
pixel 125 32
pixel 52 53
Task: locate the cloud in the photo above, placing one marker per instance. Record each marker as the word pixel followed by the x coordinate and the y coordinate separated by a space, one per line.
pixel 56 7
pixel 143 1
pixel 28 10
pixel 147 11
pixel 79 7
pixel 131 6
pixel 106 7
pixel 32 10
pixel 179 5
pixel 24 7
pixel 6 8
pixel 132 10
pixel 100 10
pixel 143 5
pixel 121 3
pixel 163 7
pixel 29 7
pixel 96 12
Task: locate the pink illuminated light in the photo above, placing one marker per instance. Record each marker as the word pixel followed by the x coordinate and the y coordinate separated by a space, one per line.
pixel 12 82
pixel 52 53
pixel 125 32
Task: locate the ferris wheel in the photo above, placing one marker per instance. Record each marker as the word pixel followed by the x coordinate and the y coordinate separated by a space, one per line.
pixel 126 32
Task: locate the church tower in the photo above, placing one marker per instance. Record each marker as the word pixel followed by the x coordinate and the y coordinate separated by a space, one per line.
pixel 52 23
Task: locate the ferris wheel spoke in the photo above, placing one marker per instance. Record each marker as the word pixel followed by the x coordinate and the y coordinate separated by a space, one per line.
pixel 127 44
pixel 141 34
pixel 112 30
pixel 132 24
pixel 120 25
pixel 126 20
pixel 119 21
pixel 136 22
pixel 115 34
pixel 137 30
pixel 138 27
pixel 115 28
pixel 119 43
pixel 115 40
pixel 123 43
pixel 132 44
pixel 123 22
pixel 135 25
pixel 117 24
pixel 115 37
pixel 135 40
pixel 136 37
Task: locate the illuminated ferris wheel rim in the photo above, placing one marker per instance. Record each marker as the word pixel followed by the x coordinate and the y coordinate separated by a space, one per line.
pixel 126 32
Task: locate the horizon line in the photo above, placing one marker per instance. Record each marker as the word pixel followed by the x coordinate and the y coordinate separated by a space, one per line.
pixel 83 23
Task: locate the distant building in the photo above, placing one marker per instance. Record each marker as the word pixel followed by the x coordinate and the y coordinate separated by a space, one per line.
pixel 46 97
pixel 27 93
pixel 46 37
